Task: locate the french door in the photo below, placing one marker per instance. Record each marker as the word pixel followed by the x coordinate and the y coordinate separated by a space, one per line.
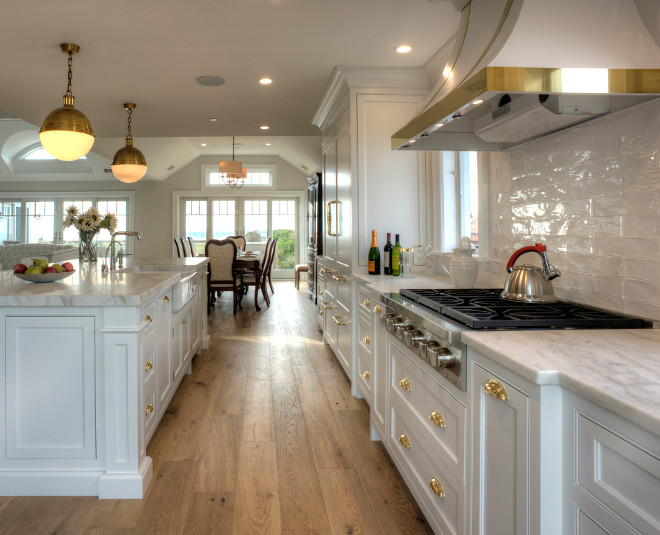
pixel 255 217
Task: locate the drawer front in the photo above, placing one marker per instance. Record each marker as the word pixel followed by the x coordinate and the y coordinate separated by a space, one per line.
pixel 149 408
pixel 365 301
pixel 365 333
pixel 365 375
pixel 147 317
pixel 148 355
pixel 446 510
pixel 343 283
pixel 619 473
pixel 442 416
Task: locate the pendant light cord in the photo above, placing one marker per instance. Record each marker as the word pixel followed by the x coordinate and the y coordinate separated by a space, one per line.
pixel 70 62
pixel 130 112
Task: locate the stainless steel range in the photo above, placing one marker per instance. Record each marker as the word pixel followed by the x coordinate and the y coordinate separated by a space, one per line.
pixel 430 322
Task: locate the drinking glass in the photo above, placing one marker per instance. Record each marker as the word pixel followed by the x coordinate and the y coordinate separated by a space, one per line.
pixel 408 259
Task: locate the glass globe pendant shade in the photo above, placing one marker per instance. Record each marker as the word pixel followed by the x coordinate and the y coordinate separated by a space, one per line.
pixel 66 133
pixel 129 164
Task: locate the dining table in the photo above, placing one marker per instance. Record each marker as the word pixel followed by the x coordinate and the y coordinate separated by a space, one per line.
pixel 250 261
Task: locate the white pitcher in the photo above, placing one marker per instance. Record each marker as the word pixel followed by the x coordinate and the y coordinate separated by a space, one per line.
pixel 461 266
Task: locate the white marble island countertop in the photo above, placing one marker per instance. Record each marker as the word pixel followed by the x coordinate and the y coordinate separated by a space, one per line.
pixel 389 283
pixel 90 286
pixel 616 368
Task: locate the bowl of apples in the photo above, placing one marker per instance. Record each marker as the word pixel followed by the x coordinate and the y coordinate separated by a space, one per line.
pixel 41 271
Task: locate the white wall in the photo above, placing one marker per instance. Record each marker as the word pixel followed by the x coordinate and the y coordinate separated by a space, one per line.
pixel 592 194
pixel 153 199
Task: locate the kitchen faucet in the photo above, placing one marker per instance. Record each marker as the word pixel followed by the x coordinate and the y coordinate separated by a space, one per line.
pixel 111 248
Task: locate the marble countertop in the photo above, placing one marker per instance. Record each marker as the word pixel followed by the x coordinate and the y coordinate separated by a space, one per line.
pixel 388 283
pixel 616 368
pixel 143 280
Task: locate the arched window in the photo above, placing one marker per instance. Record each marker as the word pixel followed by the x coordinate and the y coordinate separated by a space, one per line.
pixel 38 153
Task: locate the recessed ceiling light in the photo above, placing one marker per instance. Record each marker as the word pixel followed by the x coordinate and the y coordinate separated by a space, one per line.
pixel 265 81
pixel 439 125
pixel 403 49
pixel 213 120
pixel 264 127
pixel 411 140
pixel 210 80
pixel 268 145
pixel 203 144
pixel 478 101
pixel 447 71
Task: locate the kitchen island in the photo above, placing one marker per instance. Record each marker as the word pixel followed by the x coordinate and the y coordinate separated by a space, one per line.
pixel 88 366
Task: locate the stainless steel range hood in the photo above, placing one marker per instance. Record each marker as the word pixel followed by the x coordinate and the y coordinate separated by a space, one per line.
pixel 522 69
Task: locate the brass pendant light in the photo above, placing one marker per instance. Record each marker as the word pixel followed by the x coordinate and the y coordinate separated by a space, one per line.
pixel 66 133
pixel 129 164
pixel 233 173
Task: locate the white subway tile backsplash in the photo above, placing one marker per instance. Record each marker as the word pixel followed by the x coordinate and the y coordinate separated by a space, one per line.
pixel 592 195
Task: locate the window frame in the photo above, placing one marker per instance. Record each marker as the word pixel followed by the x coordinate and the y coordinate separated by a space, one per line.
pixel 271 168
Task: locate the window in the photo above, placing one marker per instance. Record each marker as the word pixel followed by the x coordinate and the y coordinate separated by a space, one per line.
pixel 258 176
pixel 39 153
pixel 460 198
pixel 39 218
pixel 224 219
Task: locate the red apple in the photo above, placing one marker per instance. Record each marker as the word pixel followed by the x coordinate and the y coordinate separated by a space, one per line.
pixel 20 268
pixel 68 266
pixel 49 269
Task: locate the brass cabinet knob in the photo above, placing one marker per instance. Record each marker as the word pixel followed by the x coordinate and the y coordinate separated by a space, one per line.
pixel 366 374
pixel 148 319
pixel 405 441
pixel 321 292
pixel 366 302
pixel 166 299
pixel 148 366
pixel 377 309
pixel 184 321
pixel 495 389
pixel 366 340
pixel 436 487
pixel 437 419
pixel 149 409
pixel 405 384
pixel 320 312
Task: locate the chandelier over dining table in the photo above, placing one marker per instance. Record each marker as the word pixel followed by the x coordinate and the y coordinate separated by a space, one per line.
pixel 232 172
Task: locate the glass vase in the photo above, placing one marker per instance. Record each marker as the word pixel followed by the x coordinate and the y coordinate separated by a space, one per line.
pixel 87 247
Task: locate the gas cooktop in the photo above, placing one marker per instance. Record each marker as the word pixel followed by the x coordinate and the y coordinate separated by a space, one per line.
pixel 483 308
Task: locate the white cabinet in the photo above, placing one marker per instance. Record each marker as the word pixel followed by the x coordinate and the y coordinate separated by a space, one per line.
pixel 612 473
pixel 163 366
pixel 49 388
pixel 500 438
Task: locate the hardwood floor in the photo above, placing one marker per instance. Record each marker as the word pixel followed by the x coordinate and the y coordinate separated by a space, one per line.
pixel 262 437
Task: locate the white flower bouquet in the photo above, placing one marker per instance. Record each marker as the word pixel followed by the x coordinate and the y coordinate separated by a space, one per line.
pixel 89 224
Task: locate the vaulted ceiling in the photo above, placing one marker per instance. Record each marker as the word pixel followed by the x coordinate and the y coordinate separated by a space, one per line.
pixel 151 53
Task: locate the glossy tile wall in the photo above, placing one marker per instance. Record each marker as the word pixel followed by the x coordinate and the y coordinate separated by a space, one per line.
pixel 591 194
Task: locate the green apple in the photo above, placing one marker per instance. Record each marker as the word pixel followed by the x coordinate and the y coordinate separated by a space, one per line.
pixel 39 262
pixel 58 268
pixel 34 269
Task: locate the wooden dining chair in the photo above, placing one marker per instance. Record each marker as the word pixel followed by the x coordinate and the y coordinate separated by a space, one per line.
pixel 249 279
pixel 191 243
pixel 178 247
pixel 269 269
pixel 223 275
pixel 239 241
pixel 184 247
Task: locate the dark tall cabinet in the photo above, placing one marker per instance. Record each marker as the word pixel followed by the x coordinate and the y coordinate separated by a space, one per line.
pixel 314 231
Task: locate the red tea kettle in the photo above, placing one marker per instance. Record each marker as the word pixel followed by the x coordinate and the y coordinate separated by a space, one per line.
pixel 528 283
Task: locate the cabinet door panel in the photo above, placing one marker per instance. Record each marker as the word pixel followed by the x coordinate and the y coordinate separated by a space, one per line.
pixel 344 198
pixel 50 377
pixel 500 460
pixel 330 198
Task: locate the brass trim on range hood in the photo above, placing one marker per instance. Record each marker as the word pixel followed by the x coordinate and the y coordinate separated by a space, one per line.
pixel 456 110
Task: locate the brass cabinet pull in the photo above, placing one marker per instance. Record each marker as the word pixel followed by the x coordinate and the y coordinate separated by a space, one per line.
pixel 148 319
pixel 166 299
pixel 405 384
pixel 184 321
pixel 405 441
pixel 437 419
pixel 149 409
pixel 366 374
pixel 148 366
pixel 329 218
pixel 325 270
pixel 377 309
pixel 436 487
pixel 336 320
pixel 495 389
pixel 339 278
pixel 366 340
pixel 327 305
pixel 366 302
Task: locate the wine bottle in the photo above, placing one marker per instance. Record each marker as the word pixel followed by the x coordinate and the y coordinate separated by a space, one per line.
pixel 374 256
pixel 396 256
pixel 387 256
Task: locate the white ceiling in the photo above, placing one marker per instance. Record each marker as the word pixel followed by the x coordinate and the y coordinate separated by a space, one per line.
pixel 151 52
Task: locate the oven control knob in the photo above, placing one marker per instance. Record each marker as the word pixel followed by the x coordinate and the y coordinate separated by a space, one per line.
pixel 402 329
pixel 413 337
pixel 393 323
pixel 441 357
pixel 384 318
pixel 423 349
